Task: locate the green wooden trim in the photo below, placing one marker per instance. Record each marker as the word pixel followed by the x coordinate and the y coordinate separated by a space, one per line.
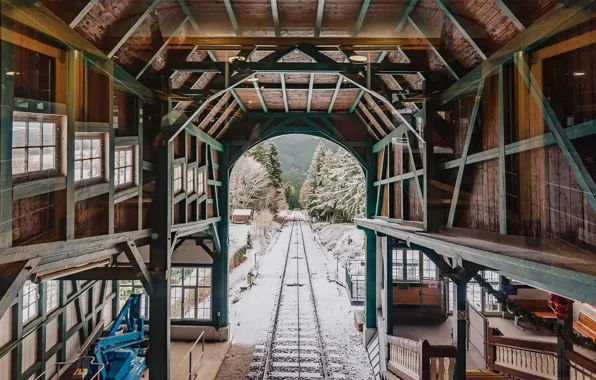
pixel 400 177
pixel 74 61
pixel 202 136
pixel 319 18
pixel 82 13
pixel 282 77
pixel 232 16
pixel 334 97
pixel 510 15
pixel 91 191
pixel 111 154
pixel 405 15
pixel 240 103
pixel 126 140
pixel 133 28
pixel 38 106
pixel 258 90
pixel 191 18
pixel 502 170
pixel 379 145
pixel 361 17
pixel 446 6
pixel 6 116
pixel 162 47
pixel 311 82
pixel 413 166
pixel 460 171
pixel 275 15
pixel 583 177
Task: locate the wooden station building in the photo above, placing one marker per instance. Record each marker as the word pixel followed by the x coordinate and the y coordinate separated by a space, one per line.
pixel 473 120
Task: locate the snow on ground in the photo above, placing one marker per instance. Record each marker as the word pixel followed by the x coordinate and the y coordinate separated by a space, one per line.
pixel 342 239
pixel 237 237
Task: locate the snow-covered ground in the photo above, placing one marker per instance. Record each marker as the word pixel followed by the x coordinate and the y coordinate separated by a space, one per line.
pixel 251 315
pixel 342 240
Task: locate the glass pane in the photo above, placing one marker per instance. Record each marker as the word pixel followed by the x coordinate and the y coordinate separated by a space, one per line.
pixel 48 158
pixel 121 176
pixel 34 159
pixel 116 159
pixel 77 172
pixel 189 303
pixel 96 166
pixel 86 148
pixel 78 148
pixel 129 157
pixel 96 148
pixel 34 134
pixel 176 276
pixel 86 169
pixel 121 159
pixel 128 174
pixel 190 277
pixel 18 133
pixel 48 134
pixel 18 161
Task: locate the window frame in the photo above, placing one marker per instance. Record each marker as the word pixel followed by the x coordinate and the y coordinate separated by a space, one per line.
pixel 101 158
pixel 30 299
pixel 125 149
pixel 200 185
pixel 191 175
pixel 136 288
pixel 50 295
pixel 176 179
pixel 183 288
pixel 42 119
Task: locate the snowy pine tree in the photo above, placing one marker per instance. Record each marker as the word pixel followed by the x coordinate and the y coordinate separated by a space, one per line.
pixel 273 166
pixel 314 181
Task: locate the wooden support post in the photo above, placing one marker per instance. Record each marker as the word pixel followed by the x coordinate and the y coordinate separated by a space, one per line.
pixel 389 288
pixel 134 256
pixel 371 241
pixel 459 328
pixel 111 147
pixel 502 170
pixel 160 262
pixel 140 163
pixel 6 144
pixel 74 60
pixel 563 369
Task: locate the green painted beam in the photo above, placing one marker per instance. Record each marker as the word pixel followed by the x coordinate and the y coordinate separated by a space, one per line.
pixel 232 16
pixel 282 77
pixel 583 177
pixel 334 97
pixel 311 82
pixel 356 101
pixel 204 137
pixel 447 7
pixel 82 13
pixel 460 171
pixel 191 17
pixel 512 17
pixel 133 29
pixel 397 132
pixel 404 17
pixel 162 47
pixel 413 165
pixel 502 170
pixel 319 18
pixel 261 99
pixel 275 14
pixel 361 17
pixel 6 118
pixel 298 67
pixel 416 25
pixel 558 19
pixel 240 103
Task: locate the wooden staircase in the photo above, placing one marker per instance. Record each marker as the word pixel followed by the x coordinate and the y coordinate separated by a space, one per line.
pixel 480 374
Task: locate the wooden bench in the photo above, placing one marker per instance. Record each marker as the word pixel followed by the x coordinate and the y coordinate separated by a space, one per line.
pixel 537 306
pixel 585 326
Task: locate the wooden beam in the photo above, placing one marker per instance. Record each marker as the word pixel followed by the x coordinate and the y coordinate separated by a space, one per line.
pixel 232 16
pixel 223 117
pixel 361 16
pixel 74 60
pixel 14 276
pixel 207 119
pixel 502 171
pixel 413 168
pixel 191 18
pixel 240 103
pixel 447 7
pixel 379 112
pixel 398 132
pixel 334 97
pixel 404 17
pixel 134 257
pixel 263 105
pixel 275 15
pixel 82 13
pixel 6 117
pixel 311 82
pixel 319 19
pixel 229 123
pixel 372 120
pixel 282 77
pixel 462 166
pixel 366 125
pixel 510 15
pixel 134 27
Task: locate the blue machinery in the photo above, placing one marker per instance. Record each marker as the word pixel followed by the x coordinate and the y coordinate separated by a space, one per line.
pixel 122 356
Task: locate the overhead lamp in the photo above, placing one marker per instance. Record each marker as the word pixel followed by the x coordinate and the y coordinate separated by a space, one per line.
pixel 51 275
pixel 11 73
pixel 579 74
pixel 252 79
pixel 358 58
pixel 236 59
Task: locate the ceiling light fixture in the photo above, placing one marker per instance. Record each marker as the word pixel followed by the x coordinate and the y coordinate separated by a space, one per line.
pixel 11 73
pixel 252 79
pixel 236 59
pixel 579 74
pixel 358 58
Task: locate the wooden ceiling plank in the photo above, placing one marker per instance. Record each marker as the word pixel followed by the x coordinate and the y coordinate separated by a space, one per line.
pixel 223 117
pixel 275 14
pixel 162 47
pixel 372 120
pixel 283 89
pixel 404 17
pixel 134 27
pixel 214 111
pixel 379 112
pixel 191 18
pixel 263 105
pixel 232 16
pixel 509 13
pixel 319 20
pixel 228 124
pixel 447 8
pixel 361 16
pixel 82 13
pixel 334 97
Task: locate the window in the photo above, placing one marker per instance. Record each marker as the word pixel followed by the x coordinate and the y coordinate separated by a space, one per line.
pixel 398 264
pixel 412 265
pixel 490 302
pixel 88 161
pixel 190 296
pixel 128 287
pixel 190 180
pixel 33 146
pixel 29 301
pixel 429 269
pixel 52 294
pixel 177 178
pixel 474 295
pixel 201 183
pixel 123 166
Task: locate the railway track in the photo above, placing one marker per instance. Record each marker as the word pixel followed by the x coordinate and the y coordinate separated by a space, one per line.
pixel 295 348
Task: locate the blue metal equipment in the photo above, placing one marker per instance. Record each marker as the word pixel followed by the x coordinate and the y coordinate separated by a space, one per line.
pixel 123 354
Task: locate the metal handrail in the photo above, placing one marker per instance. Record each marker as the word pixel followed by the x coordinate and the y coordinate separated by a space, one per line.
pixel 59 364
pixel 188 355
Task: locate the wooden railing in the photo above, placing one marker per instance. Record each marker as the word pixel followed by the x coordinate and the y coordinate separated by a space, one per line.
pixel 413 360
pixel 531 359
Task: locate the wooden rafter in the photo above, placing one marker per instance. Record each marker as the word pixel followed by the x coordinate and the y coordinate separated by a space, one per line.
pixel 447 7
pixel 188 14
pixel 222 118
pixel 379 112
pixel 372 120
pixel 82 13
pixel 361 16
pixel 282 77
pixel 319 19
pixel 335 93
pixel 134 27
pixel 261 99
pixel 311 81
pixel 403 19
pixel 229 123
pixel 512 17
pixel 232 16
pixel 214 111
pixel 366 125
pixel 275 15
